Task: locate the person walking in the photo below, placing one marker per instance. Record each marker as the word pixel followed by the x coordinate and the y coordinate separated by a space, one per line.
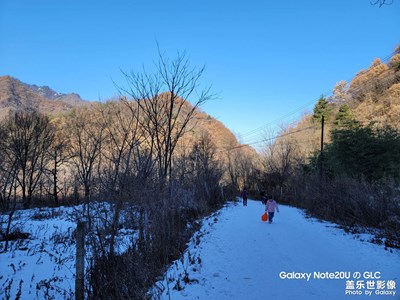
pixel 270 208
pixel 263 197
pixel 244 196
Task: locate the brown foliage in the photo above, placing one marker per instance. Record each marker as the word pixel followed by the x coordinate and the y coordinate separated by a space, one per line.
pixel 18 96
pixel 373 96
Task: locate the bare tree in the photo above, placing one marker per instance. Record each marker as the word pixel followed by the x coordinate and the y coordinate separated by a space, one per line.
pixel 28 137
pixel 340 93
pixel 233 170
pixel 58 156
pixel 8 173
pixel 24 138
pixel 280 158
pixel 122 135
pixel 86 136
pixel 207 171
pixel 8 184
pixel 162 97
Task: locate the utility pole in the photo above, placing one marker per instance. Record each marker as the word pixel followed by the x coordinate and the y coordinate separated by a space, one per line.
pixel 321 156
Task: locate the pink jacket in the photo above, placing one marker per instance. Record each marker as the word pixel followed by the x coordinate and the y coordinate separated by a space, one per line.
pixel 271 206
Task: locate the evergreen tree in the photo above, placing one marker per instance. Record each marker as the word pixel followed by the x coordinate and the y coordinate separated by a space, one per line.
pixel 322 108
pixel 344 118
pixel 364 152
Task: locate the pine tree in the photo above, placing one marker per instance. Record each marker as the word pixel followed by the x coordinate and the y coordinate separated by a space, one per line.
pixel 344 118
pixel 322 108
pixel 364 152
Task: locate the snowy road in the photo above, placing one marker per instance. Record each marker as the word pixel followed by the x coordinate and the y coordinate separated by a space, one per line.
pixel 240 257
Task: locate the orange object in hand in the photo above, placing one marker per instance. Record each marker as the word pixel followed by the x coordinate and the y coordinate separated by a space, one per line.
pixel 264 217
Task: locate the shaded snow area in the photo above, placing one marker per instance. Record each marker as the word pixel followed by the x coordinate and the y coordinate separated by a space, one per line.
pixel 42 266
pixel 237 256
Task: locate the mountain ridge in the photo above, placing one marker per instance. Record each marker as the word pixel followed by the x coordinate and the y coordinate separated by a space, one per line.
pixel 16 95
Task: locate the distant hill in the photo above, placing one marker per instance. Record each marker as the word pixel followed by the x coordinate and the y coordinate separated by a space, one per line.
pixel 18 96
pixel 202 124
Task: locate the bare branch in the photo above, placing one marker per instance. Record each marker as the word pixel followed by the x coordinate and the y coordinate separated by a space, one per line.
pixel 163 100
pixel 381 2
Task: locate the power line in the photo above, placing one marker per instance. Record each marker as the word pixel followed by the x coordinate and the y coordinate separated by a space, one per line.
pixel 363 85
pixel 265 126
pixel 266 140
pixel 367 83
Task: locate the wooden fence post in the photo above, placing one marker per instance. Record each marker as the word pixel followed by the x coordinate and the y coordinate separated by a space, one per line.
pixel 80 261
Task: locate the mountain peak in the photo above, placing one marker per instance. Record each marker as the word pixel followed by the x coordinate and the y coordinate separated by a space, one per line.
pixel 16 95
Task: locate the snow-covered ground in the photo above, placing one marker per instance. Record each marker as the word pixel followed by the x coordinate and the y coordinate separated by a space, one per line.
pixel 233 256
pixel 43 265
pixel 237 256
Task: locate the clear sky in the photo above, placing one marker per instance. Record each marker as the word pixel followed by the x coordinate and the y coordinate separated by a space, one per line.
pixel 268 61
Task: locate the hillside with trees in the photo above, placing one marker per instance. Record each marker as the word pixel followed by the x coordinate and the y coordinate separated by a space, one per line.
pixel 371 98
pixel 342 162
pixel 151 159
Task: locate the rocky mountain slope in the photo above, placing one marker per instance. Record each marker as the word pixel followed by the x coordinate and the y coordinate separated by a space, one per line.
pixel 16 95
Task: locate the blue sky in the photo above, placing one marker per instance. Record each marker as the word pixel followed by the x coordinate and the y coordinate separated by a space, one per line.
pixel 268 61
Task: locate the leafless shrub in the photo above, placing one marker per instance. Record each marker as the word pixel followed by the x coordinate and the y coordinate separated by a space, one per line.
pixel 45 214
pixel 349 202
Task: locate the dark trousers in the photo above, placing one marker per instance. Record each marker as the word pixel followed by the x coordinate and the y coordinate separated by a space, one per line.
pixel 270 216
pixel 244 201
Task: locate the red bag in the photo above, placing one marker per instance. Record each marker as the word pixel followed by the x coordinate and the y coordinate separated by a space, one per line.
pixel 264 217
